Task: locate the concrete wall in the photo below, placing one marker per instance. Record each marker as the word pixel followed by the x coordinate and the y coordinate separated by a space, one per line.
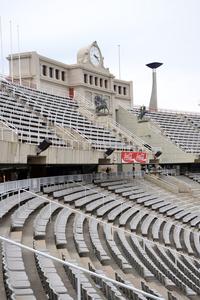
pixel 18 153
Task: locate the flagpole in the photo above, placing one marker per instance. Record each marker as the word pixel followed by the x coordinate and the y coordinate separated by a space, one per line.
pixel 19 58
pixel 119 61
pixel 11 55
pixel 1 42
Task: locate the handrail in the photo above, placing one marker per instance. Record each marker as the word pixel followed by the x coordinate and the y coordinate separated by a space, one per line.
pixel 128 132
pixel 82 101
pixel 36 183
pixel 8 125
pixel 165 110
pixel 115 126
pixel 57 125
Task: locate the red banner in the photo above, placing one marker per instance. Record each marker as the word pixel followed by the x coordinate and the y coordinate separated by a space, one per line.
pixel 133 157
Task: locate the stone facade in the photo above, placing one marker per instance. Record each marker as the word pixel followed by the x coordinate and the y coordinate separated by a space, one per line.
pixel 87 78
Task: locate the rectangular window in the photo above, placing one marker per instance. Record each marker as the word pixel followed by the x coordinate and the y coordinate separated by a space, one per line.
pixel 57 74
pixel 63 75
pixel 85 78
pixel 115 87
pixel 96 81
pixel 101 82
pixel 119 89
pixel 124 90
pixel 50 72
pixel 106 83
pixel 91 79
pixel 44 70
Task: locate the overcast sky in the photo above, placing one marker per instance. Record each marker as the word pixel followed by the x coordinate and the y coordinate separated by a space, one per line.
pixel 167 31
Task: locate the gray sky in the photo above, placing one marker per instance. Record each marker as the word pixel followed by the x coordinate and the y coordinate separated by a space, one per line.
pixel 167 31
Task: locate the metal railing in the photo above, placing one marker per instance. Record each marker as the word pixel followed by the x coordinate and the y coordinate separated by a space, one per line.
pixel 6 129
pixel 83 102
pixel 35 184
pixel 115 127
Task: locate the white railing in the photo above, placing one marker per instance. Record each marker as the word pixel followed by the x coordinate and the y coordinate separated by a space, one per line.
pixel 114 126
pixel 165 110
pixel 35 184
pixel 83 102
pixel 8 125
pixel 5 135
pixel 65 131
pixel 127 132
pixel 6 129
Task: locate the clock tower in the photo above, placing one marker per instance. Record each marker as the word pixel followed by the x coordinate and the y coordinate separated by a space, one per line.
pixel 88 79
pixel 91 56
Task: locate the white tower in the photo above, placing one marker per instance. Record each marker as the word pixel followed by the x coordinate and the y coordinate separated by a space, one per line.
pixel 153 106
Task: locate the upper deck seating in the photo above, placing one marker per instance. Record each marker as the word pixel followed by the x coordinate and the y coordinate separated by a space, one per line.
pixel 30 127
pixel 178 127
pixel 64 112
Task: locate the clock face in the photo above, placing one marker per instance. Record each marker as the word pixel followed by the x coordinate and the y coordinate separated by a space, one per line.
pixel 95 56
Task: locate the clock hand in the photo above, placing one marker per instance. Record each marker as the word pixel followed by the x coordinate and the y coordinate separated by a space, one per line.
pixel 96 56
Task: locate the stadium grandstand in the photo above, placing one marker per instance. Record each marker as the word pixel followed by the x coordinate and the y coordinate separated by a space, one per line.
pixel 99 199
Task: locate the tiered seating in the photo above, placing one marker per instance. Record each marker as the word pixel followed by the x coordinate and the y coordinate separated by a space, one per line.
pixel 166 205
pixel 167 271
pixel 64 112
pixel 81 246
pixel 84 239
pixel 193 118
pixel 60 226
pixel 51 281
pixel 186 277
pixel 121 260
pixel 177 127
pixel 184 267
pixel 147 289
pixel 98 248
pixel 16 280
pixel 12 201
pixel 19 217
pixel 108 288
pixel 129 294
pixel 133 258
pixel 87 289
pixel 43 218
pixel 30 127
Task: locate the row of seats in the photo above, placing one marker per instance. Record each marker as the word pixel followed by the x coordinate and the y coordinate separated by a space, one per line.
pixel 52 283
pixel 178 127
pixel 127 251
pixel 30 127
pixel 17 284
pixel 57 110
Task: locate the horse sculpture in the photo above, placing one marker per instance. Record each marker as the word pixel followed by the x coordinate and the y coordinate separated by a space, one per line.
pixel 100 104
pixel 142 112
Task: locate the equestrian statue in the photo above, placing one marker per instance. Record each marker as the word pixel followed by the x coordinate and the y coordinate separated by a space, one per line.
pixel 100 104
